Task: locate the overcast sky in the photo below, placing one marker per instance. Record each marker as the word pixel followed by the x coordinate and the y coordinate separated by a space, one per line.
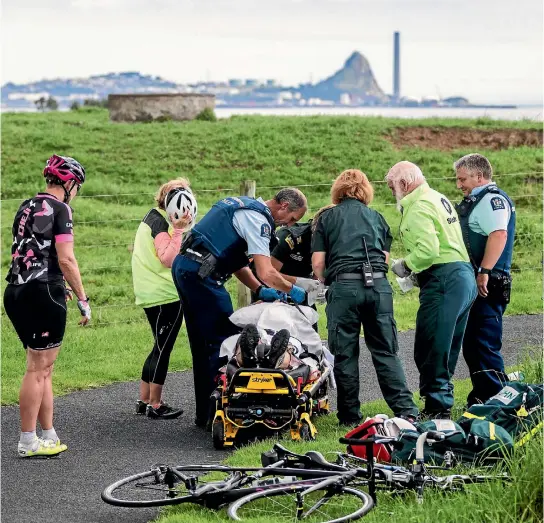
pixel 486 50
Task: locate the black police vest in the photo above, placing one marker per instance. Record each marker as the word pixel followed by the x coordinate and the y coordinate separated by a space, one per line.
pixel 475 242
pixel 216 232
pixel 298 238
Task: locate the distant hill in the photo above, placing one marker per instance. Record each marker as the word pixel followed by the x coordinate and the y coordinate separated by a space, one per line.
pixel 355 79
pixel 67 90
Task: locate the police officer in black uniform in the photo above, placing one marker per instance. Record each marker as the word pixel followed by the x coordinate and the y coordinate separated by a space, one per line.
pixel 351 247
pixel 292 254
pixel 488 222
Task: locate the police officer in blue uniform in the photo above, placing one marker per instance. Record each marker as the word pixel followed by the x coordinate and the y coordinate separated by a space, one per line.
pixel 219 246
pixel 488 222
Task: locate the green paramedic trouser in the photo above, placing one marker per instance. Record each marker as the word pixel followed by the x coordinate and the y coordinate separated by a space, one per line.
pixel 447 291
pixel 350 303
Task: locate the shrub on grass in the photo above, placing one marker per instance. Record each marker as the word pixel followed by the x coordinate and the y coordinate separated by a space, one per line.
pixel 207 115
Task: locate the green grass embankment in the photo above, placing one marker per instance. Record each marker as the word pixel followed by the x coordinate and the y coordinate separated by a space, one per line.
pixel 126 163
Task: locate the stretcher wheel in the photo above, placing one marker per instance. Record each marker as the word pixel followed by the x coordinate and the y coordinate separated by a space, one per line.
pixel 218 434
pixel 305 432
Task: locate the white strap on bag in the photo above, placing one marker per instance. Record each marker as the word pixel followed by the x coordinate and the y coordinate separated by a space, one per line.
pixel 393 426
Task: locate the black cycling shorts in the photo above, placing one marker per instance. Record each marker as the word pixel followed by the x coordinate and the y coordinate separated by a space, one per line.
pixel 38 313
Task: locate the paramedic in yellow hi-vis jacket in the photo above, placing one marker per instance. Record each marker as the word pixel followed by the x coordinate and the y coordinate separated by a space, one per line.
pixel 431 235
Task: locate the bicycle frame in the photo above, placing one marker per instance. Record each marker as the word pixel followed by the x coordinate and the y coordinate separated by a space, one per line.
pixel 417 473
pixel 291 472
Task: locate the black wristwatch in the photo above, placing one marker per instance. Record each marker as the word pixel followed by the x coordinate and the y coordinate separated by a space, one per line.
pixel 481 270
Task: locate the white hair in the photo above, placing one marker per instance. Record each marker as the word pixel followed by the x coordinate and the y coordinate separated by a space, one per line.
pixel 408 172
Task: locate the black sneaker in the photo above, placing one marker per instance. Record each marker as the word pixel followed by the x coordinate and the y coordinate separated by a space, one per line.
pixel 141 406
pixel 163 411
pixel 278 346
pixel 411 418
pixel 248 340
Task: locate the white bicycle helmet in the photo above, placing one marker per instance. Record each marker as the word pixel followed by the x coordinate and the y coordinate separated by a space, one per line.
pixel 181 201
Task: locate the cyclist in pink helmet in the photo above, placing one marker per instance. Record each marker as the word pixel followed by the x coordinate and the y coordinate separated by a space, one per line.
pixel 42 260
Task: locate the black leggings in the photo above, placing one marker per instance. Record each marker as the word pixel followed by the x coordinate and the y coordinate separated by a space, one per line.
pixel 165 321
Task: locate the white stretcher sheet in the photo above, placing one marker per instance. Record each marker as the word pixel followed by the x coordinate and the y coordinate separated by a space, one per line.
pixel 276 316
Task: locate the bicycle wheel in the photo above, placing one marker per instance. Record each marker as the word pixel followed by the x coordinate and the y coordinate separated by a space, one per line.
pixel 289 504
pixel 164 485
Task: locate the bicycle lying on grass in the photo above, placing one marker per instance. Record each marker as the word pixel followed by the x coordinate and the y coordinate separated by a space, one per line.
pixel 289 486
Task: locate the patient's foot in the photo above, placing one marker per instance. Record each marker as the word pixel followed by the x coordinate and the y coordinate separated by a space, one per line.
pixel 249 338
pixel 278 346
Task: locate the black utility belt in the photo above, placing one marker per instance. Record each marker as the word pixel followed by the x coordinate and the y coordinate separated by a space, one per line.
pixel 499 287
pixel 207 262
pixel 357 276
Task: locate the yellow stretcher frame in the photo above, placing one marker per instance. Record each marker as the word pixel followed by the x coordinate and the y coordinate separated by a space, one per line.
pixel 265 382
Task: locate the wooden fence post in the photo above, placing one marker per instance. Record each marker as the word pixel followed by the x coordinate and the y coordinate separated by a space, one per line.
pixel 247 188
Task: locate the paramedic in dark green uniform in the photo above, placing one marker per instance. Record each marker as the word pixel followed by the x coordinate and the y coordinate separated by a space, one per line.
pixel 339 254
pixel 432 237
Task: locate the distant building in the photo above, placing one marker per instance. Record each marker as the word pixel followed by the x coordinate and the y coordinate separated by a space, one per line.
pixel 271 83
pixel 409 101
pixel 430 101
pixel 235 82
pixel 250 82
pixel 396 67
pixel 31 97
pixel 456 101
pixel 147 107
pixel 345 99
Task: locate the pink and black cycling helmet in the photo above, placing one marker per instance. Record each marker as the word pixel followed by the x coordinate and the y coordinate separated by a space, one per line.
pixel 64 169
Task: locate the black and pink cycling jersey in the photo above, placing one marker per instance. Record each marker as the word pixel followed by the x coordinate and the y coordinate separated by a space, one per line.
pixel 40 223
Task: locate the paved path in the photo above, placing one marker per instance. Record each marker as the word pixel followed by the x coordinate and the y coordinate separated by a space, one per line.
pixel 107 442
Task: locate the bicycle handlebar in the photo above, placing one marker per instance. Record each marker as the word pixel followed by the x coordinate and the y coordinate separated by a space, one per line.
pixel 377 440
pixel 435 435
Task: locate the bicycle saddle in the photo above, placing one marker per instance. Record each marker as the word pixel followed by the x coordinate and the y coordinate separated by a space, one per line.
pixel 316 458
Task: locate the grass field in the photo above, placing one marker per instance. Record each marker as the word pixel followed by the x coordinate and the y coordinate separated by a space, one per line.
pixel 127 162
pixel 515 502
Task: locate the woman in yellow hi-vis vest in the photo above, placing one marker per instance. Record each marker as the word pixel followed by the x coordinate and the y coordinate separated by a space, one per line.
pixel 157 243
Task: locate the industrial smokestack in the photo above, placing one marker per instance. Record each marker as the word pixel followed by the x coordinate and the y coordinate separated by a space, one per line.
pixel 396 67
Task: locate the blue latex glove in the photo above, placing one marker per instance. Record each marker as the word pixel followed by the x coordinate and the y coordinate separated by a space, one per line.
pixel 298 294
pixel 267 294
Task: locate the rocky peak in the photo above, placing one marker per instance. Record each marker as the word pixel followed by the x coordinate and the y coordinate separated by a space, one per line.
pixel 356 78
